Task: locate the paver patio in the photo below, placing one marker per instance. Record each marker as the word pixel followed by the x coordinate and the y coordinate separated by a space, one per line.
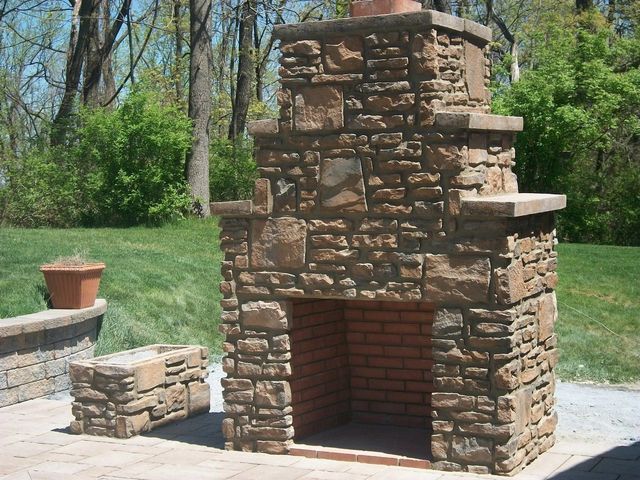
pixel 35 445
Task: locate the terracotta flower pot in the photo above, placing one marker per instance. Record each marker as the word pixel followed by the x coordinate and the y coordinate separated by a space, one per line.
pixel 72 286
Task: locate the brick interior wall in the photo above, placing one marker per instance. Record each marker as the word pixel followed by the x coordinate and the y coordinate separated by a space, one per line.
pixel 365 361
pixel 320 366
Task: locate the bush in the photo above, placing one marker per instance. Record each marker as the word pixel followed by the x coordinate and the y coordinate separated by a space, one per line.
pixel 232 170
pixel 581 108
pixel 44 188
pixel 136 157
pixel 120 167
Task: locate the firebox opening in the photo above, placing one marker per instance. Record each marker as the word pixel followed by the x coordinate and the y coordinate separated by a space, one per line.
pixel 361 375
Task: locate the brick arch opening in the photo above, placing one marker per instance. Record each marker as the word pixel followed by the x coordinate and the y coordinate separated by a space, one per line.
pixel 362 376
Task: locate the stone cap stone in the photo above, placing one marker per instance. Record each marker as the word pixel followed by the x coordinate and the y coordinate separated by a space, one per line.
pixel 513 204
pixel 50 319
pixel 478 122
pixel 234 208
pixel 263 128
pixel 146 354
pixel 383 23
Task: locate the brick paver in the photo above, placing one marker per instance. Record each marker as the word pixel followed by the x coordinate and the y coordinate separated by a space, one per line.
pixel 34 445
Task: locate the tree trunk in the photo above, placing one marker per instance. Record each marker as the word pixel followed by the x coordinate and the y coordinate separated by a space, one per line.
pixel 93 57
pixel 179 50
pixel 510 37
pixel 99 49
pixel 246 69
pixel 259 64
pixel 75 59
pixel 582 5
pixel 611 11
pixel 515 67
pixel 108 77
pixel 200 103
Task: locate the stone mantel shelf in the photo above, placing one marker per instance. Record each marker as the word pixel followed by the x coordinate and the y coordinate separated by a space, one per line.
pixel 234 208
pixel 478 122
pixel 50 319
pixel 513 204
pixel 381 23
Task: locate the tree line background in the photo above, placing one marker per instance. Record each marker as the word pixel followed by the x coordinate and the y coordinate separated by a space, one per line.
pixel 123 112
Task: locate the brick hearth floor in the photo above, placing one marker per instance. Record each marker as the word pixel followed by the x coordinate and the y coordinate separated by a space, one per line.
pixel 35 445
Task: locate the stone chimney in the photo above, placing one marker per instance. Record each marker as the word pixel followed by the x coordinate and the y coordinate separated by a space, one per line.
pixel 387 271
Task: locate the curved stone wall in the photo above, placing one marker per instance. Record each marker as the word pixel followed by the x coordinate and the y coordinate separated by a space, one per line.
pixel 35 350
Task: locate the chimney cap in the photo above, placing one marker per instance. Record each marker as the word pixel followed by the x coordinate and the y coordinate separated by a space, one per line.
pixel 363 8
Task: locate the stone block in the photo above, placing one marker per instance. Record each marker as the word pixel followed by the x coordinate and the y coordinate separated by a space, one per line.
pixel 253 346
pixel 447 322
pixel 36 389
pixel 149 374
pixel 80 373
pixel 278 242
pixel 199 398
pixel 342 185
pixel 386 103
pixel 175 397
pixel 318 108
pixel 301 47
pixel 424 54
pixel 24 375
pixel 128 426
pixel 475 72
pixel 454 279
pixel 262 197
pixel 510 284
pixel 547 315
pixel 261 128
pixel 264 315
pixel 136 406
pixel 272 394
pixel 344 55
pixel 474 450
pixel 448 157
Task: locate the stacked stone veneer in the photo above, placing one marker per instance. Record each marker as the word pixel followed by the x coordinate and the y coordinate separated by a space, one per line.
pixel 35 350
pixel 382 137
pixel 127 393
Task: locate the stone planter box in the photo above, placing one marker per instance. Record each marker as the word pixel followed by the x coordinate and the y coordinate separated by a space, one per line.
pixel 127 393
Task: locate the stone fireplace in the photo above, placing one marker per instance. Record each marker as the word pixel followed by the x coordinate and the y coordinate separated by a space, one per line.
pixel 387 271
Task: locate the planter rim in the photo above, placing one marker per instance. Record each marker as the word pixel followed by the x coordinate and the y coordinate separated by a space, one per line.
pixel 87 267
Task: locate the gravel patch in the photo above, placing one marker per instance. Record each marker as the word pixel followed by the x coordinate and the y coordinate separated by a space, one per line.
pixel 593 413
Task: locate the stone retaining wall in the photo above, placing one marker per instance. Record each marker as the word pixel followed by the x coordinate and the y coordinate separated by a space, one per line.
pixel 35 350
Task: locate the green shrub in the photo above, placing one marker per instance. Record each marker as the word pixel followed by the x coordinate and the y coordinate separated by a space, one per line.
pixel 232 170
pixel 581 109
pixel 135 157
pixel 44 188
pixel 120 167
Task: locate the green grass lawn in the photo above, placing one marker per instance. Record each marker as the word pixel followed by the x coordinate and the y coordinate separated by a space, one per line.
pixel 162 286
pixel 599 293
